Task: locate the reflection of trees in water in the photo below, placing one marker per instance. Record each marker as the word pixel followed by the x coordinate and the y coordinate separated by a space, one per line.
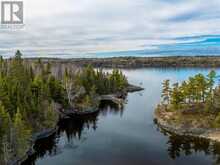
pixel 178 145
pixel 187 145
pixel 43 147
pixel 107 107
pixel 74 130
pixel 74 127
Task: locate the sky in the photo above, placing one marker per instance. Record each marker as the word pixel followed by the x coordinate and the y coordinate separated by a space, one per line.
pixel 103 28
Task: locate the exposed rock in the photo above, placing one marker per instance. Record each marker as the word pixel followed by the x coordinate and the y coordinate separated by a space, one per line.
pixel 162 120
pixel 70 112
pixel 117 98
pixel 44 133
pixel 133 88
pixel 37 136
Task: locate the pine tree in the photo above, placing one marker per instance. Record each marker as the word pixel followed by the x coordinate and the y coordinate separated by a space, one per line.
pixel 192 90
pixel 201 87
pixel 185 91
pixel 18 54
pixel 211 81
pixel 4 119
pixel 166 92
pixel 4 134
pixel 176 97
pixel 50 117
pixel 22 134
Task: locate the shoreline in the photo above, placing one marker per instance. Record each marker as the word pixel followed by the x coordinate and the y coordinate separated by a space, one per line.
pixel 114 98
pixel 63 115
pixel 212 134
pixel 138 62
pixel 36 136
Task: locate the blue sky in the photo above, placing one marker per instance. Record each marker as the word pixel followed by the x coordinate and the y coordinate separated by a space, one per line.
pixel 73 28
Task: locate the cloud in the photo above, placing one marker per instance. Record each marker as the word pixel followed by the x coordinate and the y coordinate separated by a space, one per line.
pixel 73 27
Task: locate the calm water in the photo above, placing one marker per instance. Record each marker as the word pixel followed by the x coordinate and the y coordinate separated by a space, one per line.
pixel 126 136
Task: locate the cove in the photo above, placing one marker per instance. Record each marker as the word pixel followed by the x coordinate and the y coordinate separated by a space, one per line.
pixel 128 135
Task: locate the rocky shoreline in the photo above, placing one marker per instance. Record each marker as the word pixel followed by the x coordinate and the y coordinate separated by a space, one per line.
pixel 36 136
pixel 212 134
pixel 67 113
pixel 115 98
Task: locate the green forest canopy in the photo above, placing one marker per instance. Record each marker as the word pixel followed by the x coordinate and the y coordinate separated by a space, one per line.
pixel 28 97
pixel 197 90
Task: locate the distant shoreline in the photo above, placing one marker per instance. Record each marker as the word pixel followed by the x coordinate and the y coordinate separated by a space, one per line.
pixel 139 62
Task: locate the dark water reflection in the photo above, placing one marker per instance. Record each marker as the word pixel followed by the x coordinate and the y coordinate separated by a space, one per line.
pixel 73 130
pixel 128 135
pixel 186 145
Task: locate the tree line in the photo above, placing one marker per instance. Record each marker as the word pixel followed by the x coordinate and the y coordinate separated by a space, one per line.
pixel 88 83
pixel 197 90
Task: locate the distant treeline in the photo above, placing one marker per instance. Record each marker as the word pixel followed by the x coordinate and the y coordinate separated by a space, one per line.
pixel 140 62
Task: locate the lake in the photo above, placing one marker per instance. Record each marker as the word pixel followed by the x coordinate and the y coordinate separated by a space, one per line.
pixel 128 135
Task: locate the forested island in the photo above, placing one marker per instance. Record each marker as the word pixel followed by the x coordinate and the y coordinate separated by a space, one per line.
pixel 191 107
pixel 34 95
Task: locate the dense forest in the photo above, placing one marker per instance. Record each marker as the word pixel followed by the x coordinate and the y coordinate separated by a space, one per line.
pixel 29 94
pixel 196 91
pixel 90 83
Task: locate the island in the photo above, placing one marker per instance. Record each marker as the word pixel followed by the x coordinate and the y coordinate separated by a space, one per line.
pixel 191 108
pixel 35 95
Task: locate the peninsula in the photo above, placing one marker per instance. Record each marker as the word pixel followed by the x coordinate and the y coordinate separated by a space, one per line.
pixel 191 108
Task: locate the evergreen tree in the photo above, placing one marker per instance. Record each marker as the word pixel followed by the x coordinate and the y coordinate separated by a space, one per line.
pixel 28 93
pixel 197 91
pixel 211 81
pixel 201 87
pixel 4 119
pixel 176 96
pixel 22 134
pixel 185 91
pixel 18 54
pixel 4 135
pixel 166 92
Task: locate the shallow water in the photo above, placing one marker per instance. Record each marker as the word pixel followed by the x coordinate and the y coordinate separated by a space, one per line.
pixel 129 135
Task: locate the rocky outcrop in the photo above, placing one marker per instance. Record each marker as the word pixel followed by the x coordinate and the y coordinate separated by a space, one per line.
pixel 117 98
pixel 207 133
pixel 37 136
pixel 133 88
pixel 71 112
